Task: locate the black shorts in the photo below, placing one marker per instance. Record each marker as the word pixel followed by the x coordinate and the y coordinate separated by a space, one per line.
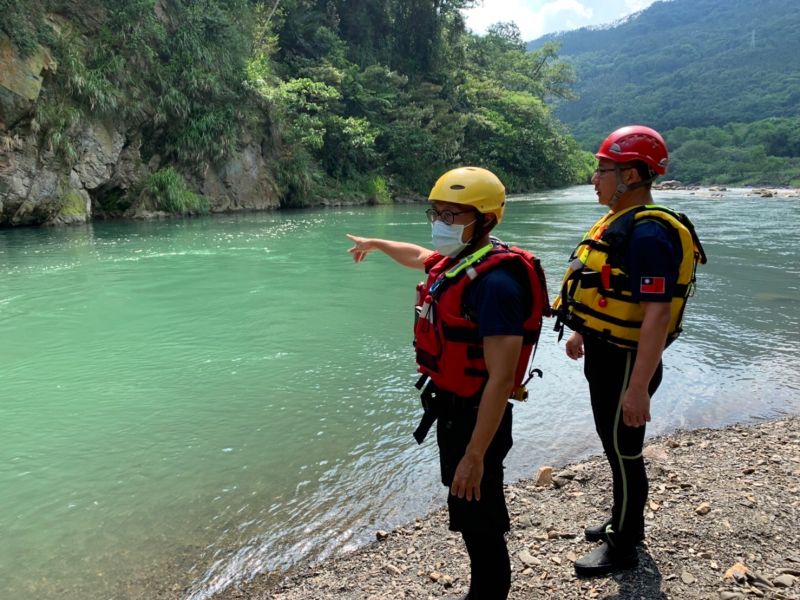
pixel 489 514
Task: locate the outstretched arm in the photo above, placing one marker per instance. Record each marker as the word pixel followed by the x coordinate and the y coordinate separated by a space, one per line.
pixel 408 255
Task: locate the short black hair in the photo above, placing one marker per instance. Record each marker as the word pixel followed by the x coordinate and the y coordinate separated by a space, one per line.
pixel 645 172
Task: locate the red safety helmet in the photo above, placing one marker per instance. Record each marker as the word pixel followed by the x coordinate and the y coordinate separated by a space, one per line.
pixel 636 142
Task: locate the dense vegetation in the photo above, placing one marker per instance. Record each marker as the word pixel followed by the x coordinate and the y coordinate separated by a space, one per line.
pixel 721 80
pixel 362 98
pixel 761 153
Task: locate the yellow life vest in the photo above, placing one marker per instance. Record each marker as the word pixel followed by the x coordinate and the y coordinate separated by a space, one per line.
pixel 596 297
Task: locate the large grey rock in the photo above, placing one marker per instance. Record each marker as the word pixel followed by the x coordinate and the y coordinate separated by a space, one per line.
pixel 99 147
pixel 29 187
pixel 74 207
pixel 20 81
pixel 37 188
pixel 51 200
pixel 129 168
pixel 242 183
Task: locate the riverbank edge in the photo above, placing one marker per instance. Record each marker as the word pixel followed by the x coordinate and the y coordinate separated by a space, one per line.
pixel 711 191
pixel 718 191
pixel 722 522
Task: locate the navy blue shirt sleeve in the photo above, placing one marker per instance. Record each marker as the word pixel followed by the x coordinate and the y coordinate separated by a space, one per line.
pixel 653 262
pixel 498 303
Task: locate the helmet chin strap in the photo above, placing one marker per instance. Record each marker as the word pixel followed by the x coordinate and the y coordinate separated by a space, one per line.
pixel 622 187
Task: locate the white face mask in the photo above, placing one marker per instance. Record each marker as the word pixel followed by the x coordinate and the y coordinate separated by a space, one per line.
pixel 447 238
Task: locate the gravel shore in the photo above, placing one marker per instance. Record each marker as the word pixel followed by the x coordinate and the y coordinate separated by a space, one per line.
pixel 720 191
pixel 723 523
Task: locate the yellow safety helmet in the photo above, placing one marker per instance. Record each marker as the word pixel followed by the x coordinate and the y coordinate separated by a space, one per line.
pixel 472 186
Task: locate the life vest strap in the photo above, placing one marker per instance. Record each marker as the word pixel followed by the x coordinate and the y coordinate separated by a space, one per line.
pixel 427 360
pixel 423 379
pixel 470 372
pixel 425 424
pixel 605 317
pixel 467 262
pixel 436 403
pixel 593 279
pixel 605 336
pixel 595 244
pixel 464 335
pixel 474 352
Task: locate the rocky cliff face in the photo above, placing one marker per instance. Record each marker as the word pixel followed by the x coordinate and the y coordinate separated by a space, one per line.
pixel 38 187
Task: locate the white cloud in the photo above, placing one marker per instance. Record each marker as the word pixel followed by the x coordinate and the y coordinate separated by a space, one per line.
pixel 538 17
pixel 568 6
pixel 492 11
pixel 633 6
pixel 533 18
pixel 637 5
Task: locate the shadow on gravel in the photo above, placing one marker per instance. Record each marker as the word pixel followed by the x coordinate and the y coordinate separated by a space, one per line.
pixel 642 582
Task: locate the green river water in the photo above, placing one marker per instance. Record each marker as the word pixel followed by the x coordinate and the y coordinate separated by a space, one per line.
pixel 187 403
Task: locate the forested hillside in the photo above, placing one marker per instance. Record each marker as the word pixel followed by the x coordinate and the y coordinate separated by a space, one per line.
pixel 168 105
pixel 720 78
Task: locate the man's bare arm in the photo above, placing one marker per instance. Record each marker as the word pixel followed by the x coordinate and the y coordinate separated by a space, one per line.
pixel 408 255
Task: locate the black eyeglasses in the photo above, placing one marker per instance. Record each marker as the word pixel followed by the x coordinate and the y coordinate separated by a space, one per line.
pixel 599 171
pixel 446 216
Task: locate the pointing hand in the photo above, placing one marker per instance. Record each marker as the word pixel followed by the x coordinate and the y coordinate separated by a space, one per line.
pixel 361 248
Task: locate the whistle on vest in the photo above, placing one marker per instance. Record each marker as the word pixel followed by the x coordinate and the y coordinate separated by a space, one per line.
pixel 520 394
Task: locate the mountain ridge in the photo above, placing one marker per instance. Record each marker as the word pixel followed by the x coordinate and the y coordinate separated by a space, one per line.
pixel 688 63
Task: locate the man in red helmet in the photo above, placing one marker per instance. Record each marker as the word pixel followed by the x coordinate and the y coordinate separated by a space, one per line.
pixel 623 296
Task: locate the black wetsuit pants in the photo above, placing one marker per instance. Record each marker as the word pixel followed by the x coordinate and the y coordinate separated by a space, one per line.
pixel 482 523
pixel 608 369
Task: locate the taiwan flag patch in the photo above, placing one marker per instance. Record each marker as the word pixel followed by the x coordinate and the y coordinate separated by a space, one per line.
pixel 652 285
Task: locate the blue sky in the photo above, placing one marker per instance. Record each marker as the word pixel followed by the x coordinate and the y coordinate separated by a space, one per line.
pixel 537 17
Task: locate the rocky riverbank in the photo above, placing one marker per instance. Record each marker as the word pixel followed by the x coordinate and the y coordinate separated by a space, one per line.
pixel 721 190
pixel 722 524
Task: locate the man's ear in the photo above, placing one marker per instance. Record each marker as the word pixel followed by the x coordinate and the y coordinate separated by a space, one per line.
pixel 631 176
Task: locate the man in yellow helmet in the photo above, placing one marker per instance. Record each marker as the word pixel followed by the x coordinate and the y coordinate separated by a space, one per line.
pixel 623 297
pixel 479 313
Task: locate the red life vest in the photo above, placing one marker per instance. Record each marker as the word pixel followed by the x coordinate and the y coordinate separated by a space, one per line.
pixel 449 349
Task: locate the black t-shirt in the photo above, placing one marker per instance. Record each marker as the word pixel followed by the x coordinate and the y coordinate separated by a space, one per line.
pixel 498 302
pixel 653 262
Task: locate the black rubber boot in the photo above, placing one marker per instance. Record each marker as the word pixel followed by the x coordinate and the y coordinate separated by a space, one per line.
pixel 604 560
pixel 597 533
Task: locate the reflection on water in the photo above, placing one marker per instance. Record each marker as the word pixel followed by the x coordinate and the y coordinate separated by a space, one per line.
pixel 187 403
